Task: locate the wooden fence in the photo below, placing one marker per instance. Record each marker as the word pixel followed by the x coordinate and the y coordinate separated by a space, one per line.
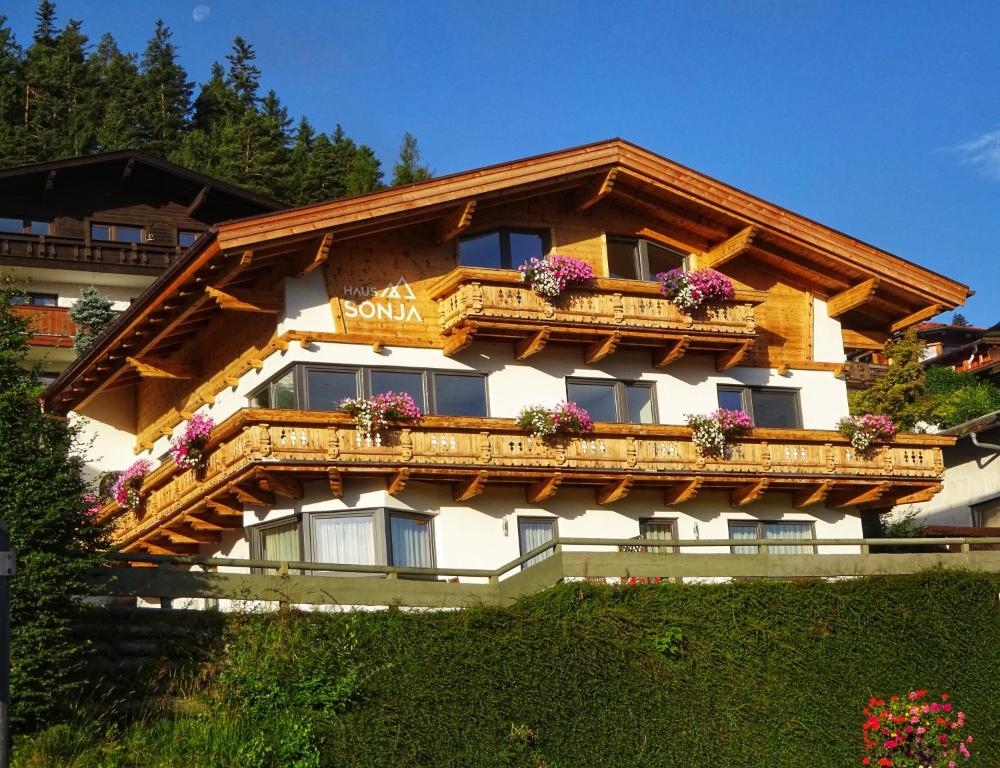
pixel 177 577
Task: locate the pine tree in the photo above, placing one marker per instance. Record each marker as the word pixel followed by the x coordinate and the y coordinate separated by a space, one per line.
pixel 244 75
pixel 166 94
pixel 958 320
pixel 216 102
pixel 45 28
pixel 92 313
pixel 365 172
pixel 408 170
pixel 11 96
pixel 55 542
pixel 299 159
pixel 119 87
pixel 901 394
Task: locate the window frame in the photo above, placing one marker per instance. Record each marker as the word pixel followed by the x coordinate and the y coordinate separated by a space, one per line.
pixel 30 297
pixel 504 236
pixel 621 395
pixel 761 524
pixel 746 398
pixel 981 509
pixel 643 521
pixel 181 231
pixel 113 230
pixel 553 523
pixel 26 223
pixel 640 255
pixel 257 543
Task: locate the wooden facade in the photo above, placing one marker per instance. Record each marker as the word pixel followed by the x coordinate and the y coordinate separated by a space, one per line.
pixel 389 263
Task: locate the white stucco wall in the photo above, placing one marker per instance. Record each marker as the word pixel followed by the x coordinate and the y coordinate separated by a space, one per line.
pixel 972 476
pixel 828 340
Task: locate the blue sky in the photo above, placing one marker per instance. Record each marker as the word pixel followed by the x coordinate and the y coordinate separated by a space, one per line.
pixel 881 119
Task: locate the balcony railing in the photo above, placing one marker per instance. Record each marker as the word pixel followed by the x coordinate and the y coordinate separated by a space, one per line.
pixel 473 452
pixel 862 375
pixel 80 253
pixel 605 314
pixel 50 326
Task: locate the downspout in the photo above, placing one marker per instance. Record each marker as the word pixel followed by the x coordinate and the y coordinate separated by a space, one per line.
pixel 990 446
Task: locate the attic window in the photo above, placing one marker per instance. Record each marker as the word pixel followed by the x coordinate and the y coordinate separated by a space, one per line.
pixel 186 238
pixel 632 258
pixel 118 233
pixel 502 248
pixel 25 225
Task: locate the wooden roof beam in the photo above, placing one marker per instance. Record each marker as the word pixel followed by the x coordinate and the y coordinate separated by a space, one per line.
pixel 875 340
pixel 852 298
pixel 320 257
pixel 456 222
pixel 161 368
pixel 225 506
pixel 916 317
pixel 188 535
pixel 597 191
pixel 50 181
pixel 199 200
pixel 249 493
pixel 728 249
pixel 474 486
pixel 543 489
pixel 260 302
pixel 127 170
pixel 165 548
pixel 280 484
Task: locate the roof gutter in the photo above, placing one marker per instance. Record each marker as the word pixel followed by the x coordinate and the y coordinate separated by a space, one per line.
pixel 988 446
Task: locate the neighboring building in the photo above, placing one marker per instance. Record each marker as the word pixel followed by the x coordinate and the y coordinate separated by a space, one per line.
pixel 971 495
pixel 114 221
pixel 964 349
pixel 266 323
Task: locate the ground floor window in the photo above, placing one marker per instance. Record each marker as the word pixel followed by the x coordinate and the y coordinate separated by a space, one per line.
pixel 653 528
pixel 353 537
pixel 766 529
pixel 533 532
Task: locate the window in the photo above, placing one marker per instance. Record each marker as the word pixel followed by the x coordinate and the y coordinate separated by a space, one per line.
pixel 37 299
pixel 767 407
pixel 119 233
pixel 759 529
pixel 533 532
pixel 25 225
pixel 502 249
pixel 636 259
pixel 353 537
pixel 986 514
pixel 321 388
pixel 186 238
pixel 656 528
pixel 629 402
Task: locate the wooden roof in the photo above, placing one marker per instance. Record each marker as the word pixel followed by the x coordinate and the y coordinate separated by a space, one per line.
pixel 873 289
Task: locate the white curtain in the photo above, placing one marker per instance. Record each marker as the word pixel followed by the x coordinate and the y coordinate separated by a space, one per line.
pixel 281 543
pixel 788 531
pixel 349 540
pixel 659 531
pixel 743 532
pixel 534 533
pixel 411 541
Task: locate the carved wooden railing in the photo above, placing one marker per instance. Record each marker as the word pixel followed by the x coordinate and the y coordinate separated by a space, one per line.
pixel 860 375
pixel 50 326
pixel 495 302
pixel 80 251
pixel 444 447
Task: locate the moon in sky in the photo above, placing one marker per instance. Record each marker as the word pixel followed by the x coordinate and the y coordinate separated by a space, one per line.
pixel 201 12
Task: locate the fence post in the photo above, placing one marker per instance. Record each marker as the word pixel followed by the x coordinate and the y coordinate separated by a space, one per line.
pixel 7 568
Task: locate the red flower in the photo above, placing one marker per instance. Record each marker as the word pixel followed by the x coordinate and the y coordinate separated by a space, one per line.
pixel 885 761
pixel 866 761
pixel 944 697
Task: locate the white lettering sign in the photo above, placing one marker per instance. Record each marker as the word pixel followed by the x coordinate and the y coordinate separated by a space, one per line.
pixel 392 303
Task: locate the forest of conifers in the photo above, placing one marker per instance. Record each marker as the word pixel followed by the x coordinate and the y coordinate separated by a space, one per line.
pixel 62 96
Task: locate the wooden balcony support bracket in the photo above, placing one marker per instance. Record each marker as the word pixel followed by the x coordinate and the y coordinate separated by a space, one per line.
pixel 749 493
pixel 857 495
pixel 474 486
pixel 188 535
pixel 167 548
pixel 905 495
pixel 203 520
pixel 615 490
pixel 683 491
pixel 601 349
pixel 336 482
pixel 456 222
pixel 672 353
pixel 873 340
pixel 161 368
pixel 733 357
pixel 460 339
pixel 597 191
pixel 543 489
pixel 50 181
pixel 813 494
pixel 249 493
pixel 127 170
pixel 922 495
pixel 261 302
pixel 534 343
pixel 397 481
pixel 279 484
pixel 199 200
pixel 852 298
pixel 246 259
pixel 225 506
pixel 728 249
pixel 916 317
pixel 320 257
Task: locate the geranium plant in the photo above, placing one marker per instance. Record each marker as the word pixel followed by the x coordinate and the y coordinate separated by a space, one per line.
pixel 546 423
pixel 187 448
pixel 711 432
pixel 378 413
pixel 127 490
pixel 689 290
pixel 549 277
pixel 866 430
pixel 913 731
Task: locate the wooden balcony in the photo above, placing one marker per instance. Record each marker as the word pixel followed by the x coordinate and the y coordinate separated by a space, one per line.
pixel 603 316
pixel 78 253
pixel 258 453
pixel 863 375
pixel 50 326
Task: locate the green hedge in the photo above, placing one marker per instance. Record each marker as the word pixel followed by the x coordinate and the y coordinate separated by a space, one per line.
pixel 747 675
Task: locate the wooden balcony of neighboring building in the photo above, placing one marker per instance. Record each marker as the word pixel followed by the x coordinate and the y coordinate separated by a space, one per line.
pixel 603 316
pixel 78 253
pixel 50 326
pixel 259 454
pixel 862 375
